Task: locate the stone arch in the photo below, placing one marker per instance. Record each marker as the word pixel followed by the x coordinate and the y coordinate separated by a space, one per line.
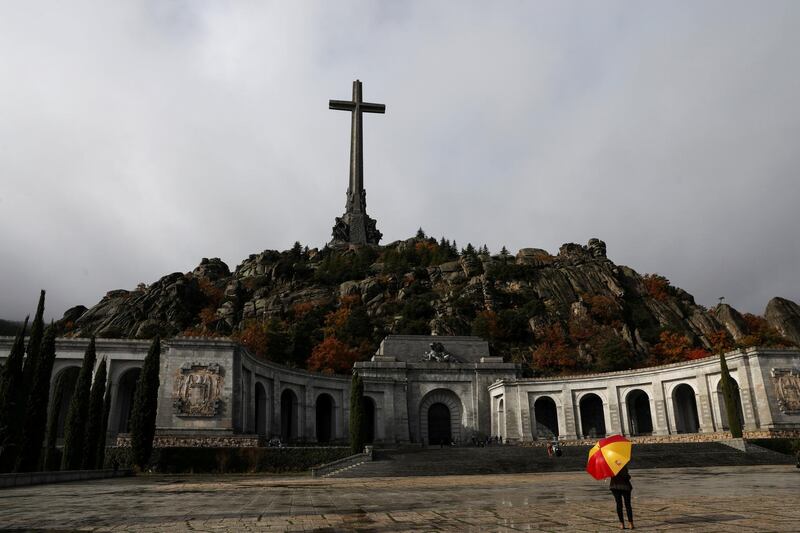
pixel 545 415
pixel 260 410
pixel 451 402
pixel 640 419
pixel 68 376
pixel 289 416
pixel 593 422
pixel 370 414
pixel 685 406
pixel 325 421
pixel 737 396
pixel 125 392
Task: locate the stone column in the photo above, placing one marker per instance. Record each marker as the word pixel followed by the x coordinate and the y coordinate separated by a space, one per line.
pixel 568 415
pixel 703 399
pixel 658 409
pixel 742 374
pixel 308 419
pixel 276 406
pixel 612 417
pixel 524 415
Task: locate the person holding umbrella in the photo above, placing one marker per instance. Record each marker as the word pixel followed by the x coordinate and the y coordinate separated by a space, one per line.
pixel 608 458
pixel 621 488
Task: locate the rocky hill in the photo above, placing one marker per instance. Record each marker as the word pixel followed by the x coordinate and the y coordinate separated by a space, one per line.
pixel 324 309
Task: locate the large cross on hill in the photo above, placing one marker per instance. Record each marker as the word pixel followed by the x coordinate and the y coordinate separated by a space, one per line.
pixel 355 226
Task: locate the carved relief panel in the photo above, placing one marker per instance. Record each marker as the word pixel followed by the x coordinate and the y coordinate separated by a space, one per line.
pixel 197 390
pixel 787 385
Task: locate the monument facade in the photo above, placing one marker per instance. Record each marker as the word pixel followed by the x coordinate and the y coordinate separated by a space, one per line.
pixel 213 392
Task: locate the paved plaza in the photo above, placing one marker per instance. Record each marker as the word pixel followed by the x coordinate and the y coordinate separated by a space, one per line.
pixel 752 498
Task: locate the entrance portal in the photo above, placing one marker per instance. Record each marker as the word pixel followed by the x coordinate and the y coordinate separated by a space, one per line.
pixel 592 418
pixel 324 418
pixel 546 416
pixel 369 415
pixel 288 415
pixel 686 420
pixel 439 424
pixel 641 423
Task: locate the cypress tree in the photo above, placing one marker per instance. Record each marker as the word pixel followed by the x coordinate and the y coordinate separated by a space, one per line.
pixel 734 423
pixel 75 425
pixel 30 452
pixel 51 461
pixel 34 346
pixel 358 428
pixel 101 442
pixel 145 404
pixel 10 417
pixel 94 423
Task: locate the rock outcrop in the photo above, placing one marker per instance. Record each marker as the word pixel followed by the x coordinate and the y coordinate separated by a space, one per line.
pixel 577 297
pixel 784 316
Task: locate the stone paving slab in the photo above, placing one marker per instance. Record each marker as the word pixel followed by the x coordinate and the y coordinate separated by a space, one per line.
pixel 752 498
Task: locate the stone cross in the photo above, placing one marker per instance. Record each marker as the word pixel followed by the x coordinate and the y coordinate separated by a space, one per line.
pixel 355 226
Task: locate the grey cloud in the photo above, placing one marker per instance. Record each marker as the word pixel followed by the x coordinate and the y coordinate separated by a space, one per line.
pixel 136 138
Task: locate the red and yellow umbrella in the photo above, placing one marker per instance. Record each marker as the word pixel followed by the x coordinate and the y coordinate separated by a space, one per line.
pixel 608 456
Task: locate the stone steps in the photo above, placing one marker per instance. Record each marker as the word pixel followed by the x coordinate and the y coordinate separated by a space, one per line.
pixel 521 459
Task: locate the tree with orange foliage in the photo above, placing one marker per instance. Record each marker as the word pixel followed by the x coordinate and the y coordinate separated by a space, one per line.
pixel 675 347
pixel 333 356
pixel 657 286
pixel 553 353
pixel 264 339
pixel 760 333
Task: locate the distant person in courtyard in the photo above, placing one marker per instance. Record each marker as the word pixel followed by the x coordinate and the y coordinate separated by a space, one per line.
pixel 621 488
pixel 550 450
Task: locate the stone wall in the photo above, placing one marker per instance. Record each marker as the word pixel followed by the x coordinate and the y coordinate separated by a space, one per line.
pixel 197 441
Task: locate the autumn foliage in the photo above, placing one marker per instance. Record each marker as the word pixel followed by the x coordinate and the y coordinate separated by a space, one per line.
pixel 657 286
pixel 334 356
pixel 553 353
pixel 675 347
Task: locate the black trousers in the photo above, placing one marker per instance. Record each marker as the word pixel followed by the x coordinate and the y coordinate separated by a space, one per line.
pixel 619 495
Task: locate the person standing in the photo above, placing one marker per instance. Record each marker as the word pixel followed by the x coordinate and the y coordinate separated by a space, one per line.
pixel 621 488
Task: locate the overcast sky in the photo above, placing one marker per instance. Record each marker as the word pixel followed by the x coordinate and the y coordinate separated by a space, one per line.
pixel 138 137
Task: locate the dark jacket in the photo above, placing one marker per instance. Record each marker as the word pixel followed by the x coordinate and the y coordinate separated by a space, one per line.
pixel 622 481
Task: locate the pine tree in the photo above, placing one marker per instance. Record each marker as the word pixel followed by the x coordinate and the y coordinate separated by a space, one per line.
pixel 10 416
pixel 358 428
pixel 734 423
pixel 75 425
pixel 421 234
pixel 51 459
pixel 94 423
pixel 34 346
pixel 101 443
pixel 30 452
pixel 145 403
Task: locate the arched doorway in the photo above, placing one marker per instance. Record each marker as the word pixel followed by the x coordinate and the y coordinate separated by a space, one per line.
pixel 65 381
pixel 434 422
pixel 288 415
pixel 593 421
pixel 686 419
pixel 723 411
pixel 546 416
pixel 261 410
pixel 369 416
pixel 439 424
pixel 639 417
pixel 324 410
pixel 126 391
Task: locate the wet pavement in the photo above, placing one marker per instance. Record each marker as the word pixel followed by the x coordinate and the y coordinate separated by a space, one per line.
pixel 752 498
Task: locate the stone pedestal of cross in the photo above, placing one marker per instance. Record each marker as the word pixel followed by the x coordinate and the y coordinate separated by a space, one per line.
pixel 355 226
